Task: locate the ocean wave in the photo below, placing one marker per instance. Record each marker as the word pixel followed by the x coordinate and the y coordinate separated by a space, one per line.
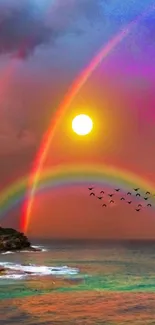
pixel 40 248
pixel 16 271
pixel 13 276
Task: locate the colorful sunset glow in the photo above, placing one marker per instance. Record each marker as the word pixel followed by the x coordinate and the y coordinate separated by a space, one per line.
pixel 106 72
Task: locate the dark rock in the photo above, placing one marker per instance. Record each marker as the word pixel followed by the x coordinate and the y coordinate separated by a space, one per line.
pixel 13 240
pixel 2 269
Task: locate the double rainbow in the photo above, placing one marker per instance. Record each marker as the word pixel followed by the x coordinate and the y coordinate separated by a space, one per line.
pixel 65 104
pixel 70 175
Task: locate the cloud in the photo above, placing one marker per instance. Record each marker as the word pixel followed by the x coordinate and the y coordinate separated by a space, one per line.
pixel 24 25
pixel 22 29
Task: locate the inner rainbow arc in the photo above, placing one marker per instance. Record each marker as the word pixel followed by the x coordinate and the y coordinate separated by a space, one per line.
pixel 97 175
pixel 70 95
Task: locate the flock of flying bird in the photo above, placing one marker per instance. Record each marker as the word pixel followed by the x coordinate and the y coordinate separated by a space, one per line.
pixel 126 198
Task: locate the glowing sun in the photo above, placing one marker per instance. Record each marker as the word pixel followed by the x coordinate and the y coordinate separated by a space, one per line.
pixel 82 124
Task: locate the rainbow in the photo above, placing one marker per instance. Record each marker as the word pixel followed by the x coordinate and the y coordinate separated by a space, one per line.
pixel 71 175
pixel 64 105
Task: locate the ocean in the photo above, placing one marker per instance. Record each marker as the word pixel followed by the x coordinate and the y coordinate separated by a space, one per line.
pixel 80 283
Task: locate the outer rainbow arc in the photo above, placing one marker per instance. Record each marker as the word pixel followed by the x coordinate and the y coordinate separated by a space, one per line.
pixel 70 175
pixel 75 88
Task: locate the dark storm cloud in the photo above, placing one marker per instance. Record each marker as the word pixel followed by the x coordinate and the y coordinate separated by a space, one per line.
pixel 22 29
pixel 24 25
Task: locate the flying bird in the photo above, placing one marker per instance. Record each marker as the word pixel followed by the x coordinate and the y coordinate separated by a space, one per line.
pixel 110 195
pixel 99 197
pixel 117 189
pixel 149 205
pixel 129 202
pixel 145 198
pixel 139 205
pixel 136 189
pixel 90 188
pixel 137 209
pixel 104 205
pixel 147 193
pixel 137 194
pixel 111 201
pixel 129 193
pixel 92 194
pixel 102 192
pixel 122 198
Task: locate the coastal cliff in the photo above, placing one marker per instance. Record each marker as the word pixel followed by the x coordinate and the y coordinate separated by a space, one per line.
pixel 13 240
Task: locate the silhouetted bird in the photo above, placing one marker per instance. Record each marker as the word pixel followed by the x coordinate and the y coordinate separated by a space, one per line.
pixel 102 192
pixel 111 201
pixel 137 194
pixel 129 193
pixel 149 205
pixel 117 189
pixel 137 209
pixel 99 197
pixel 122 198
pixel 147 193
pixel 145 198
pixel 130 202
pixel 110 195
pixel 136 189
pixel 139 205
pixel 92 194
pixel 90 188
pixel 104 205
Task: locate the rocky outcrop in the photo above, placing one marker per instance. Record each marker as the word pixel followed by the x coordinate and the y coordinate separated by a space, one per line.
pixel 2 271
pixel 13 240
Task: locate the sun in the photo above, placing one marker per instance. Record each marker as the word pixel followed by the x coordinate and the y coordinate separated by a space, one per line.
pixel 82 124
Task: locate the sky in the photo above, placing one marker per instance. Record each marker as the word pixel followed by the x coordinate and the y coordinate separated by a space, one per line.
pixel 44 45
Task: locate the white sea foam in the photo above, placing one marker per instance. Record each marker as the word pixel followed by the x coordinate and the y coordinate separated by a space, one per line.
pixel 43 270
pixel 13 276
pixel 40 247
pixel 25 270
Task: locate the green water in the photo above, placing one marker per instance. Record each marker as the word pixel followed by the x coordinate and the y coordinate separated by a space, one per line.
pixel 115 285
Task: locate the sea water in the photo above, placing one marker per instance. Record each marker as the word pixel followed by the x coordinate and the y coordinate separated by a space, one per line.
pixel 84 283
